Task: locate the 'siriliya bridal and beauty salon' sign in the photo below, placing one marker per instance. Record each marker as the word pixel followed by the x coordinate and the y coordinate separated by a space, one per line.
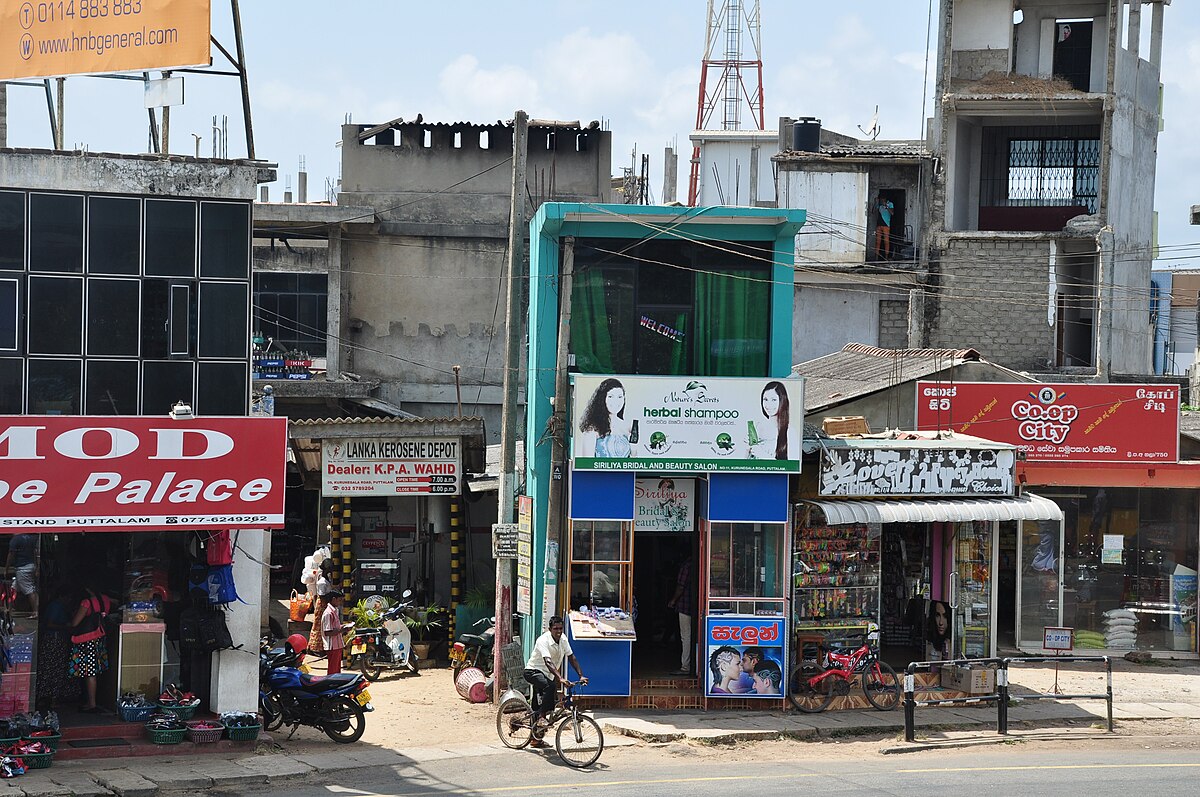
pixel 678 424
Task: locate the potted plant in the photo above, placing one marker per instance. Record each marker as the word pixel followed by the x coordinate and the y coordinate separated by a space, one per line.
pixel 425 623
pixel 478 603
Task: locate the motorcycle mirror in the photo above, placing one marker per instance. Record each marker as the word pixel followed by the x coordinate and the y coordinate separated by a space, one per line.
pixel 406 594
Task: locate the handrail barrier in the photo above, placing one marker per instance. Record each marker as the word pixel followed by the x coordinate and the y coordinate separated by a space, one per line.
pixel 1000 695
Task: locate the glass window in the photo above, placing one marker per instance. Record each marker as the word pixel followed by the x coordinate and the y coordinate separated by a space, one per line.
pixel 114 235
pixel 746 560
pixel 224 315
pixel 291 309
pixel 225 239
pixel 111 387
pixel 180 320
pixel 222 388
pixel 54 386
pixel 55 315
pixel 1039 577
pixel 56 233
pixel 156 314
pixel 600 570
pixel 9 312
pixel 164 383
pixel 12 231
pixel 170 238
pixel 12 380
pixel 112 319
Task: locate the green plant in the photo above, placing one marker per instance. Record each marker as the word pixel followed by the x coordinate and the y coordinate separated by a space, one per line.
pixel 362 617
pixel 480 597
pixel 424 622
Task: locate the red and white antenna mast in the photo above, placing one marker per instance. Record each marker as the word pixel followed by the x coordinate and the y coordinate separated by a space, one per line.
pixel 736 82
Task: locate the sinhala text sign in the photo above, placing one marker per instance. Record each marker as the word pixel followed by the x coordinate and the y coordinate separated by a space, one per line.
pixel 880 471
pixel 48 38
pixel 1060 422
pixel 127 473
pixel 391 466
pixel 681 424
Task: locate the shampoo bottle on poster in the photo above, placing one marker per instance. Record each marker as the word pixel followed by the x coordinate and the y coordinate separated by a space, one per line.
pixel 752 434
pixel 633 433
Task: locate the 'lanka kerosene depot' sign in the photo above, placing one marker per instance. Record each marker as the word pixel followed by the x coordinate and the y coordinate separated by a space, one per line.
pixel 391 466
pixel 1060 422
pixel 676 424
pixel 141 473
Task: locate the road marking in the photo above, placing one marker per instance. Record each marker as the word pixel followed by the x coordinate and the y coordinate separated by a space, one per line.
pixel 608 783
pixel 1033 767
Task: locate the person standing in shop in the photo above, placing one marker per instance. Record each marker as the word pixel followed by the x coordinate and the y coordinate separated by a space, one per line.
pixel 89 653
pixel 331 631
pixel 316 641
pixel 22 567
pixel 683 602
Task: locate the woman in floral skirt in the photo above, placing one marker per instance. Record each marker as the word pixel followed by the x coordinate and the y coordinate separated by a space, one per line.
pixel 89 653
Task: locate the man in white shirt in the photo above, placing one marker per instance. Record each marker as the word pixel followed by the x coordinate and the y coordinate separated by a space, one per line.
pixel 545 668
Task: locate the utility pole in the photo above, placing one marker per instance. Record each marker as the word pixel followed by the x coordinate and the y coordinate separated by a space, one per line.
pixel 511 414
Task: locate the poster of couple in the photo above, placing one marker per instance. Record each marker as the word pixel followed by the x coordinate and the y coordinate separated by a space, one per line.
pixel 745 657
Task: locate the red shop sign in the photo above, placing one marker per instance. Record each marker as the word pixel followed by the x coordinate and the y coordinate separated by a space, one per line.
pixel 1059 422
pixel 147 473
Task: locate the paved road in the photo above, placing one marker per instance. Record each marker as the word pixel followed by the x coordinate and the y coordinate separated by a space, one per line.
pixel 1117 771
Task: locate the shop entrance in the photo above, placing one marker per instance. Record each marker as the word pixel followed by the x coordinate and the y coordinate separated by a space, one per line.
pixel 662 559
pixel 904 575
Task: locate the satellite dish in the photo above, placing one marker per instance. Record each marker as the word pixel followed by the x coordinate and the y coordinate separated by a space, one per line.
pixel 872 132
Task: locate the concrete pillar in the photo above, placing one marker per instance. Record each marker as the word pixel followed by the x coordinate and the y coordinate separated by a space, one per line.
pixel 3 114
pixel 234 685
pixel 1135 27
pixel 333 308
pixel 1156 33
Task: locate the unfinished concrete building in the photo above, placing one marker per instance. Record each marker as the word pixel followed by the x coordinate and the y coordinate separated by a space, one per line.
pixel 1041 214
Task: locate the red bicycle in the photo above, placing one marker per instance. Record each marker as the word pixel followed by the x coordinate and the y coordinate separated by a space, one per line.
pixel 814 683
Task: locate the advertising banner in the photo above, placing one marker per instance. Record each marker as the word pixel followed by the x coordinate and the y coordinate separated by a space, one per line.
pixel 744 656
pixel 391 466
pixel 917 471
pixel 524 554
pixel 1059 422
pixel 664 504
pixel 55 38
pixel 141 473
pixel 681 424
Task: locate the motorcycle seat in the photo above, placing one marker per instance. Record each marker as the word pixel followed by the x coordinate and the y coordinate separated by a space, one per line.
pixel 322 683
pixel 474 639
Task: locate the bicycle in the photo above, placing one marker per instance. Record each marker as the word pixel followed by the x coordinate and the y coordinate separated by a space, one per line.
pixel 812 684
pixel 578 740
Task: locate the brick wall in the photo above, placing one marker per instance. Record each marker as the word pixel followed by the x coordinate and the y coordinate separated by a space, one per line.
pixel 893 323
pixel 991 294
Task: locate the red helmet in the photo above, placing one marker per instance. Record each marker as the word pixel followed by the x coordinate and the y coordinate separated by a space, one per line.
pixel 298 643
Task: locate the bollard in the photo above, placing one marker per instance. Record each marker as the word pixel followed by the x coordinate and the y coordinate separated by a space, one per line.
pixel 1002 702
pixel 910 704
pixel 1108 700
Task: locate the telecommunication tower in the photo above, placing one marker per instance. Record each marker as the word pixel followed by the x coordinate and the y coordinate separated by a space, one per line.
pixel 736 82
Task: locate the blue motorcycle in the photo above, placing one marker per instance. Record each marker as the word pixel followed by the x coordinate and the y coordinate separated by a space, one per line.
pixel 335 704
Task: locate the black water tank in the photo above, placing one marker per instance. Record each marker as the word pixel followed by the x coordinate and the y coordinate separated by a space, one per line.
pixel 806 134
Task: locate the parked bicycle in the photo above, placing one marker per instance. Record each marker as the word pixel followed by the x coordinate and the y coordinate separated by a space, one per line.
pixel 578 738
pixel 813 684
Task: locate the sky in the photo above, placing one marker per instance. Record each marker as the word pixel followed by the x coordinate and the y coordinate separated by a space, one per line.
pixel 635 66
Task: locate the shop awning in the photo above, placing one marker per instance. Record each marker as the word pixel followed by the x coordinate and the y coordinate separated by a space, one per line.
pixel 934 510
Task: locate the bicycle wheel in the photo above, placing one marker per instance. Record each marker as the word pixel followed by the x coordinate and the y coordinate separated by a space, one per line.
pixel 881 686
pixel 579 740
pixel 806 696
pixel 514 723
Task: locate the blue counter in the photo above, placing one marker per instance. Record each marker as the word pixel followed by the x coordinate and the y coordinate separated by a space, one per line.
pixel 607 661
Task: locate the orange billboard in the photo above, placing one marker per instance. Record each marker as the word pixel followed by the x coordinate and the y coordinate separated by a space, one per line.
pixel 81 37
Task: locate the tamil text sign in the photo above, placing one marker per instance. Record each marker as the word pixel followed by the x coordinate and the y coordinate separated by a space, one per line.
pixel 1063 422
pixel 391 466
pixel 81 37
pixel 917 471
pixel 138 473
pixel 682 424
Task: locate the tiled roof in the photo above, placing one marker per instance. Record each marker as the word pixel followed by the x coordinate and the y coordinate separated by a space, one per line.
pixel 858 370
pixel 387 419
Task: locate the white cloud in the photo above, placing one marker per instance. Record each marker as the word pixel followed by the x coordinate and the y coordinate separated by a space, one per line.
pixel 595 70
pixel 472 92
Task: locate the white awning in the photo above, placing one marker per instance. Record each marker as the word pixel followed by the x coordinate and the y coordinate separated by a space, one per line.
pixel 933 510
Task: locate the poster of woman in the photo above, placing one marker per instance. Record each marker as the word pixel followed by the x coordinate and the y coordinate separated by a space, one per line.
pixel 604 431
pixel 773 436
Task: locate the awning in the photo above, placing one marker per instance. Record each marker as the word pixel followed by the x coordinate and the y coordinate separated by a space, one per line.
pixel 933 510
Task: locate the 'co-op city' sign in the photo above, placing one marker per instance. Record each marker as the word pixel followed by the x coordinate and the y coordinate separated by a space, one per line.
pixel 687 424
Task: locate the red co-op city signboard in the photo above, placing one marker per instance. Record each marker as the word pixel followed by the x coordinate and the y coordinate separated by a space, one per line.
pixel 1059 422
pixel 62 472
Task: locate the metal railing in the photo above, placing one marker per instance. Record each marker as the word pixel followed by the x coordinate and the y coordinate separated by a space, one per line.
pixel 1000 694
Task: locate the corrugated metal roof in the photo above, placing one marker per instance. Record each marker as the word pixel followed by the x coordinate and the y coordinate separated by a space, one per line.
pixel 863 149
pixel 935 510
pixel 858 370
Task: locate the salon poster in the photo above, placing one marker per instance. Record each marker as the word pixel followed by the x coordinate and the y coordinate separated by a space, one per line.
pixel 744 656
pixel 673 424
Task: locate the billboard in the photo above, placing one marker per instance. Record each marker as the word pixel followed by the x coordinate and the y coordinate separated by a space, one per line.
pixel 141 473
pixel 687 424
pixel 744 656
pixel 887 471
pixel 391 466
pixel 1059 422
pixel 84 37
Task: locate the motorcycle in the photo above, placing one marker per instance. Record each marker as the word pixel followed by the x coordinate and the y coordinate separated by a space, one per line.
pixel 336 704
pixel 387 647
pixel 475 650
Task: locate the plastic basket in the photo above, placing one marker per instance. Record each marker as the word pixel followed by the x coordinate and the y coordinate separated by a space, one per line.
pixel 49 741
pixel 246 733
pixel 37 760
pixel 184 712
pixel 166 736
pixel 205 735
pixel 136 713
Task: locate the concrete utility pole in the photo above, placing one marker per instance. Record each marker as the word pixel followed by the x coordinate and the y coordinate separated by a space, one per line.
pixel 512 416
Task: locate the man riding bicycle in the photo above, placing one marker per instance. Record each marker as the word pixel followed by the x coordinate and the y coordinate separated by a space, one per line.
pixel 544 672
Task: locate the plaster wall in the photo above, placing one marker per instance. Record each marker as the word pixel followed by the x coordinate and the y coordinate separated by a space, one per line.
pixel 726 169
pixel 982 24
pixel 829 315
pixel 1033 39
pixel 837 192
pixel 131 174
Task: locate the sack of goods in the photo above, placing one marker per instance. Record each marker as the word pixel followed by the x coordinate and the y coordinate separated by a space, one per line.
pixel 1120 629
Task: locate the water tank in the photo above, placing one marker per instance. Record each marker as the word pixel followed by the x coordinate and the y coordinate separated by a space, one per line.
pixel 806 134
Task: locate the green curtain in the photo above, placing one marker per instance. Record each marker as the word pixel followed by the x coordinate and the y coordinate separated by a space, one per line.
pixel 733 319
pixel 591 339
